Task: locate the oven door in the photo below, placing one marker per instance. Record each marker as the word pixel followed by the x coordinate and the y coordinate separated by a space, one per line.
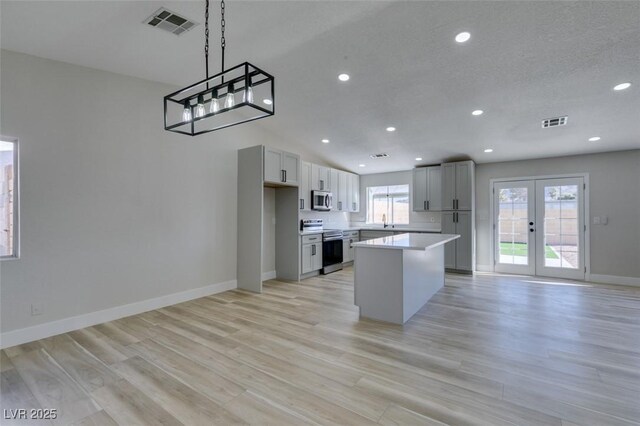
pixel 331 255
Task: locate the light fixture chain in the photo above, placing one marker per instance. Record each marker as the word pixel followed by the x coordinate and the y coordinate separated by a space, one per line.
pixel 206 38
pixel 223 41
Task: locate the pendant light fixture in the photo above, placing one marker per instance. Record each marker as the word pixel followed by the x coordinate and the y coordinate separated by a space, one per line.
pixel 222 100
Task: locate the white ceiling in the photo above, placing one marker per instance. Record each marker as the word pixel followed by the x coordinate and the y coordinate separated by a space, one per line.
pixel 526 61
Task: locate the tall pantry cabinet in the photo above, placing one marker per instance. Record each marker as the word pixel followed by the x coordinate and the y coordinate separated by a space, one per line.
pixel 458 214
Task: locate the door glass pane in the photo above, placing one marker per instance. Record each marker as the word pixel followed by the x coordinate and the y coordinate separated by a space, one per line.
pixel 512 226
pixel 561 236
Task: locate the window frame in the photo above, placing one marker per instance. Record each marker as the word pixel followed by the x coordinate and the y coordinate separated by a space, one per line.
pixel 16 198
pixel 390 212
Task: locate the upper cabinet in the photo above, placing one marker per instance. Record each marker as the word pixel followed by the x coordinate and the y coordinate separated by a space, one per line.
pixel 458 185
pixel 305 186
pixel 281 167
pixel 342 195
pixel 427 189
pixel 353 193
pixel 320 178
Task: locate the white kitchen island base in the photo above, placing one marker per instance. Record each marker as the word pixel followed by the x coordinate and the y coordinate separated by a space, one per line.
pixel 395 276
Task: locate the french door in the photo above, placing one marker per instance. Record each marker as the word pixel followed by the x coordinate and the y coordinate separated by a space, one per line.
pixel 539 227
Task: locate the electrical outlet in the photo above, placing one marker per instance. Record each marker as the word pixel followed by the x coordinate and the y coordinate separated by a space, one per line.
pixel 596 220
pixel 36 309
pixel 432 219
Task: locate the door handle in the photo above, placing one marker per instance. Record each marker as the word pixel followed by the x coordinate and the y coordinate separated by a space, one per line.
pixel 531 230
pixel 530 223
pixel 321 184
pixel 285 175
pixel 453 202
pixel 301 203
pixel 313 250
pixel 425 205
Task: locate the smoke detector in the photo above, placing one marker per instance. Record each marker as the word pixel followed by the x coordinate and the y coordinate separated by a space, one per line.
pixel 555 121
pixel 381 155
pixel 169 21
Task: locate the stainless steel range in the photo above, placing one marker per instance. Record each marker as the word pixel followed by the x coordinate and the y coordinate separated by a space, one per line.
pixel 331 251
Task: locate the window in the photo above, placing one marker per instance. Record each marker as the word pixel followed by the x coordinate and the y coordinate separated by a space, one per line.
pixel 8 198
pixel 388 204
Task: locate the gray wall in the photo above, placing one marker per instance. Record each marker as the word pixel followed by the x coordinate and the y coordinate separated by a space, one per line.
pixel 269 231
pixel 614 180
pixel 114 209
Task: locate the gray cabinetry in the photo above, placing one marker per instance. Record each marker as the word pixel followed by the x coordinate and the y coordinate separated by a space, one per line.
pixel 281 167
pixel 427 189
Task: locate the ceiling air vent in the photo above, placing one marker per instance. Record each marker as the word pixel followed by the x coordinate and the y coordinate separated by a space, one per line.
pixel 555 122
pixel 169 21
pixel 381 155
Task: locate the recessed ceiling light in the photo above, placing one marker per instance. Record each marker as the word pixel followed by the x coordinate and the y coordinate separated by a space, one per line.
pixel 325 140
pixel 391 129
pixel 462 37
pixel 362 165
pixel 344 77
pixel 622 86
pixel 594 139
pixel 488 150
pixel 267 101
pixel 477 112
pixel 418 158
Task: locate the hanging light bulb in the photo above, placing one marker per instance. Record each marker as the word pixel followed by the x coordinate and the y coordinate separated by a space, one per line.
pixel 229 101
pixel 186 113
pixel 200 111
pixel 215 104
pixel 247 96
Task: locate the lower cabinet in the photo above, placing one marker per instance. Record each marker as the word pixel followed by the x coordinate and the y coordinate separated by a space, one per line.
pixel 348 251
pixel 311 257
pixel 458 254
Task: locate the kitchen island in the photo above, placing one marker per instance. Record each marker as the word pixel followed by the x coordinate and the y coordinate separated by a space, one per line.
pixel 395 276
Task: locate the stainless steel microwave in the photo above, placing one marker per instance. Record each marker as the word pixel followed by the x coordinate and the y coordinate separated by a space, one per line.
pixel 321 200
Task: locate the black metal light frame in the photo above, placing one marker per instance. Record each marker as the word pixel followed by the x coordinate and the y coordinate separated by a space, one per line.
pixel 251 76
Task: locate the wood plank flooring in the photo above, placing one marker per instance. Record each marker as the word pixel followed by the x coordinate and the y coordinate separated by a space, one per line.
pixel 489 349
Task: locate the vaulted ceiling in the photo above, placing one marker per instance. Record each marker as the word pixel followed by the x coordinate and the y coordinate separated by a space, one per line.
pixel 525 61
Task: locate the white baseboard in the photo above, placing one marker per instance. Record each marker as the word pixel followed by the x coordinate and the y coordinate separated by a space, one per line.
pixel 614 279
pixel 271 275
pixel 41 331
pixel 484 268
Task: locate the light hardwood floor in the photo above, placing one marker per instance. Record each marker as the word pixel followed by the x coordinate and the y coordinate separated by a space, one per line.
pixel 488 349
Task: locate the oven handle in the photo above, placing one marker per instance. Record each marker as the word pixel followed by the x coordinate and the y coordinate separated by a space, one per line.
pixel 332 239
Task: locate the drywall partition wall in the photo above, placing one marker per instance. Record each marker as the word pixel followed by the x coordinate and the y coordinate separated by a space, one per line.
pixel 114 209
pixel 269 234
pixel 250 218
pixel 427 220
pixel 614 180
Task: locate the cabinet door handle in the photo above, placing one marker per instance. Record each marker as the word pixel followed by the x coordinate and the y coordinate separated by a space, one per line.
pixel 285 175
pixel 313 250
pixel 453 202
pixel 301 204
pixel 425 205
